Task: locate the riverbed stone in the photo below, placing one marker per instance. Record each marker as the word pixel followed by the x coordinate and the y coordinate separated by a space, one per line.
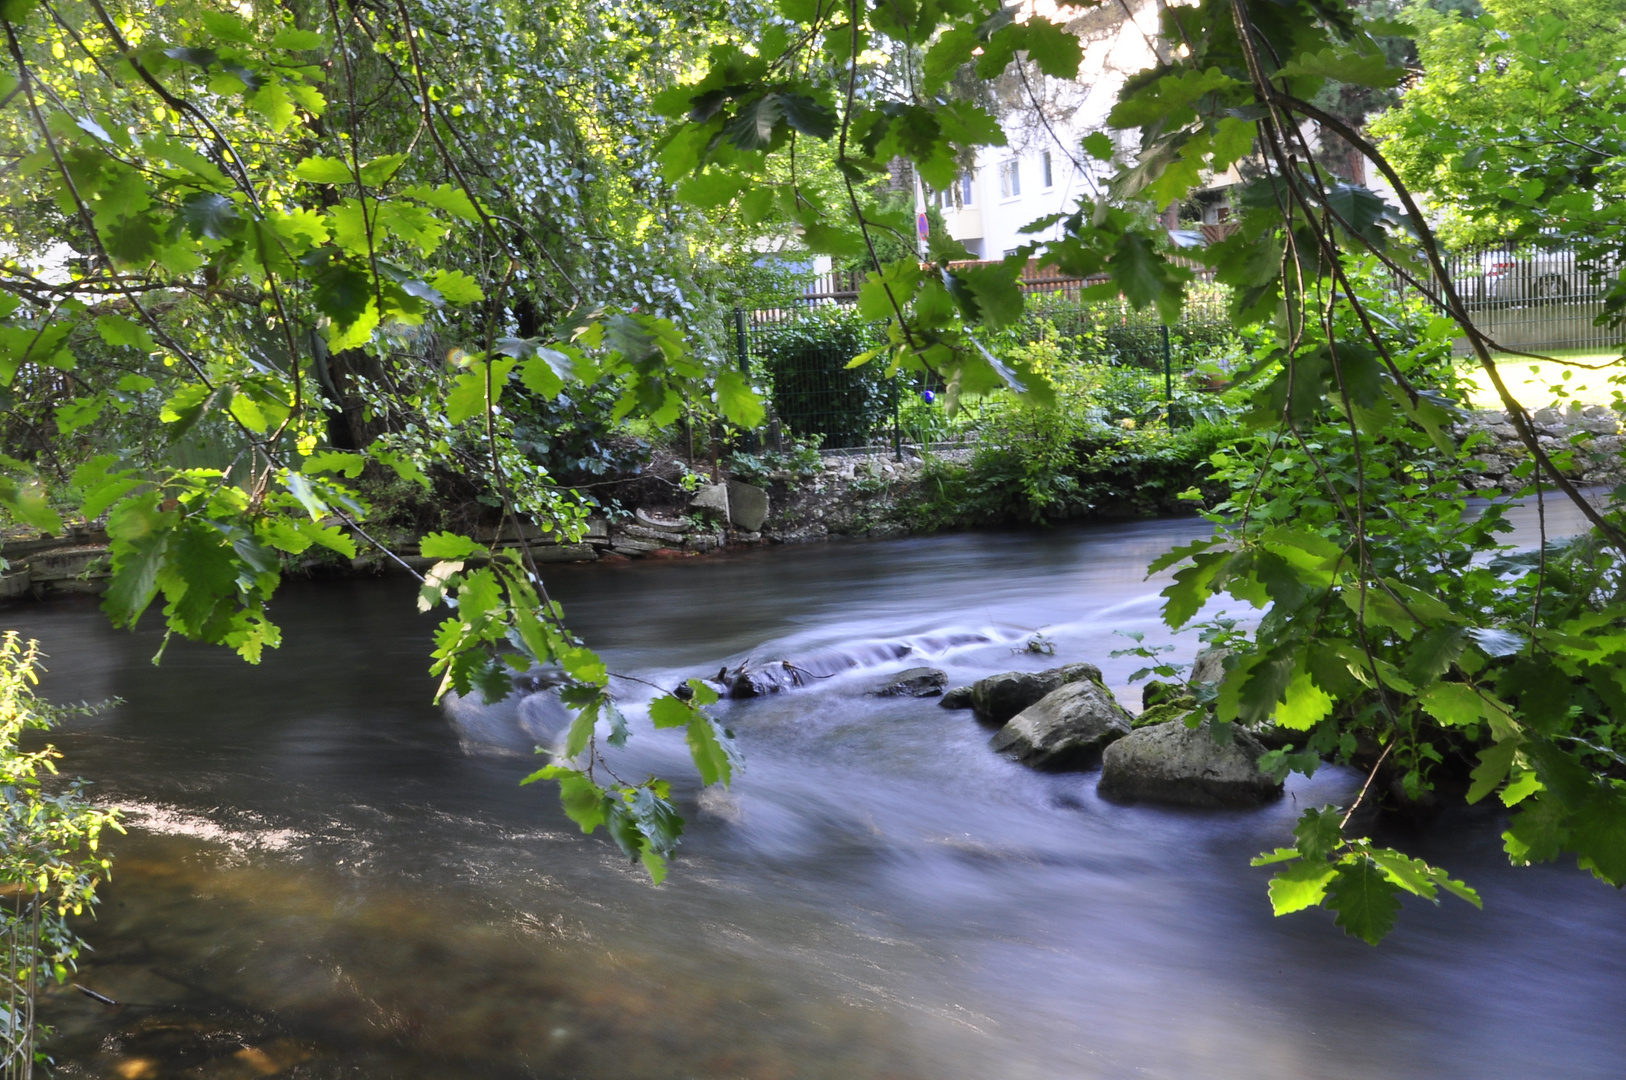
pixel 999 697
pixel 1181 766
pixel 957 698
pixel 914 682
pixel 1066 729
pixel 747 506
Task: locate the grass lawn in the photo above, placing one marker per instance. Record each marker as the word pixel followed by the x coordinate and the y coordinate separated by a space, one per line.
pixel 1530 379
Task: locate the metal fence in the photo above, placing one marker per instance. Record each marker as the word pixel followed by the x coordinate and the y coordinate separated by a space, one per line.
pixel 800 351
pixel 1533 299
pixel 802 356
pixel 1524 299
pixel 20 968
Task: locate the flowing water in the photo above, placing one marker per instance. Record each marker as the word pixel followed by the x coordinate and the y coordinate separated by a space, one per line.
pixel 328 876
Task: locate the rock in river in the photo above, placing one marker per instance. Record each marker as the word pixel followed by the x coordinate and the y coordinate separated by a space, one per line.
pixel 999 697
pixel 1171 763
pixel 914 682
pixel 958 698
pixel 1209 666
pixel 1066 729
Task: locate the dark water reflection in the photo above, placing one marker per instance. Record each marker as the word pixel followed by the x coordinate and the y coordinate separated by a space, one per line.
pixel 328 876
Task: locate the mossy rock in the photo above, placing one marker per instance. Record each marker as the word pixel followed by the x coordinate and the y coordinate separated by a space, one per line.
pixel 1177 709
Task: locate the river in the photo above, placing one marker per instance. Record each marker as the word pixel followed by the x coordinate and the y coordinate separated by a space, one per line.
pixel 326 875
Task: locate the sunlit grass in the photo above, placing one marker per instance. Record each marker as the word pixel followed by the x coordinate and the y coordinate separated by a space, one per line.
pixel 1532 381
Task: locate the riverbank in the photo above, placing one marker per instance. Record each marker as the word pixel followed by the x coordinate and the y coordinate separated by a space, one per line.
pixel 877 494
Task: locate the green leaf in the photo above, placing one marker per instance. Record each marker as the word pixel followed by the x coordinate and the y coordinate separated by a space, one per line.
pixel 1452 704
pixel 334 461
pixel 709 750
pixel 227 26
pixel 1494 763
pixel 584 802
pixel 457 287
pixel 78 413
pixel 1057 52
pixel 581 728
pixel 668 712
pixel 736 400
pixel 1433 652
pixel 584 665
pixel 1146 277
pixel 1098 144
pixel 807 116
pixel 140 535
pixel 1302 885
pixel 377 172
pixel 1304 703
pixel 118 331
pixel 1192 587
pixel 445 197
pixel 1598 836
pixel 211 215
pixel 344 293
pixel 1365 900
pixel 953 49
pixel 1319 832
pixel 1233 141
pixel 1536 833
pixel 27 503
pixel 294 39
pixel 446 545
pixel 1346 66
pixel 321 170
pixel 467 398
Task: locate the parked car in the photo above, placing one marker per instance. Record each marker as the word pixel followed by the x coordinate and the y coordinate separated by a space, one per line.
pixel 1525 276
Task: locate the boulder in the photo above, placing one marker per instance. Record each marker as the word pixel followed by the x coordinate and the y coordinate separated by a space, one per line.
pixel 914 682
pixel 1156 691
pixel 958 698
pixel 1171 763
pixel 747 506
pixel 999 697
pixel 1066 729
pixel 1165 711
pixel 1209 666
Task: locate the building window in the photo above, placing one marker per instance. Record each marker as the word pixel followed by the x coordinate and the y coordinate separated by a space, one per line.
pixel 1010 179
pixel 1049 177
pixel 958 195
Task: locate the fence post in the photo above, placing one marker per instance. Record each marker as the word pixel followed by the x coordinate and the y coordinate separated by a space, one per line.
pixel 742 341
pixel 1168 375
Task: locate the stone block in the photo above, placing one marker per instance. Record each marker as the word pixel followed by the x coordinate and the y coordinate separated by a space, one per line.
pixel 563 553
pixel 713 498
pixel 643 532
pixel 747 506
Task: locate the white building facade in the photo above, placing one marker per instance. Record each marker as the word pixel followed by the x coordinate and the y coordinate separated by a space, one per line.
pixel 1043 169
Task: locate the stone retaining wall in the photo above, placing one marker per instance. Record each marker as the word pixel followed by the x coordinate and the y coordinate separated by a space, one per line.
pixel 1592 433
